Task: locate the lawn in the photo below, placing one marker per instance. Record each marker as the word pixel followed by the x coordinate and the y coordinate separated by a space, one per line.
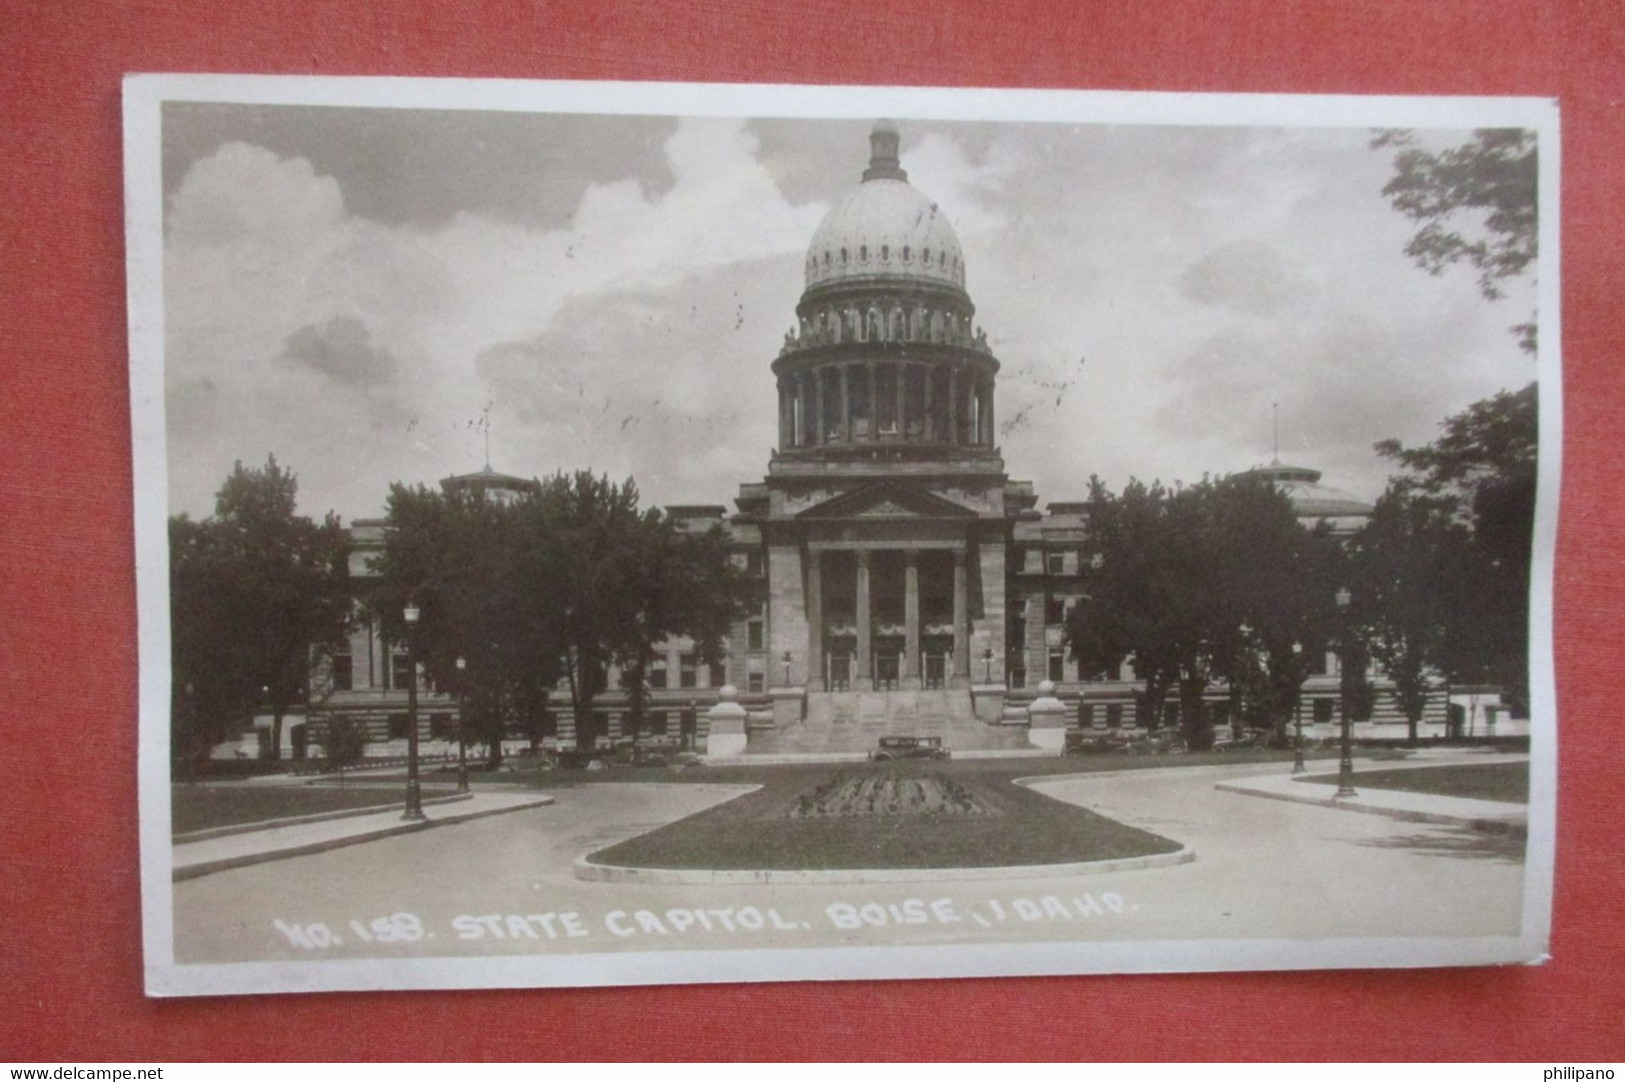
pixel 1507 782
pixel 203 807
pixel 895 815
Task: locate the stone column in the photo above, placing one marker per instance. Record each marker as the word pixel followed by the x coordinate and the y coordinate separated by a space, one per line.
pixel 874 403
pixel 815 620
pixel 819 432
pixel 953 406
pixel 902 396
pixel 846 403
pixel 961 619
pixel 798 432
pixel 992 432
pixel 930 426
pixel 784 413
pixel 865 669
pixel 911 622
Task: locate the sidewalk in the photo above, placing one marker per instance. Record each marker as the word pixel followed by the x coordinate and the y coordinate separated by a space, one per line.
pixel 236 850
pixel 1490 816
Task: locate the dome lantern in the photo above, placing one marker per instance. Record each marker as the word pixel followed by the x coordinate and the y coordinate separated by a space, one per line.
pixel 884 163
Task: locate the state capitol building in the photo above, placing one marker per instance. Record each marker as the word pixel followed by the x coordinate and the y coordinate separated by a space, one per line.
pixel 912 586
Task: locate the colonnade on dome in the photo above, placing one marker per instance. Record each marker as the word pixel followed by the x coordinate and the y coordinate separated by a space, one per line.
pixel 854 402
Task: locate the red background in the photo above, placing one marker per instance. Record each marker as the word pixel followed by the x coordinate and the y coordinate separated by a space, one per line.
pixel 70 959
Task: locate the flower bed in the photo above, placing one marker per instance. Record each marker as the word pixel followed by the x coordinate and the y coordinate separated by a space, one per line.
pixel 865 794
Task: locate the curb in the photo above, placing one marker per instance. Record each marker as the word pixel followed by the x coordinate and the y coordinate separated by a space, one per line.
pixel 208 867
pixel 1511 826
pixel 299 820
pixel 617 873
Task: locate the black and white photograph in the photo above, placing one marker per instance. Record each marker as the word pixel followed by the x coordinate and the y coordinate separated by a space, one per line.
pixel 597 534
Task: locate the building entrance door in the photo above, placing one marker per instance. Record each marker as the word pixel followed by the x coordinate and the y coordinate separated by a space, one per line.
pixel 936 670
pixel 888 671
pixel 838 672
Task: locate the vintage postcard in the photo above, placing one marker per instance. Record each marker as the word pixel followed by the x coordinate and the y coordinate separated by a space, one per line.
pixel 635 533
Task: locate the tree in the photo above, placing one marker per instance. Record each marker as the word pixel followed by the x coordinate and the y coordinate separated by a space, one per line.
pixel 1475 202
pixel 1408 580
pixel 1216 580
pixel 1482 473
pixel 255 592
pixel 465 562
pixel 344 742
pixel 625 579
pixel 557 585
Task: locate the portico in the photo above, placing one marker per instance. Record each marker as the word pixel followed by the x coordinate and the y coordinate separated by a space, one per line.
pixel 887 615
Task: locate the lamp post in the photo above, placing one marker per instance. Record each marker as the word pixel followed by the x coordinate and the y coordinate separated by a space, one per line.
pixel 462 727
pixel 1345 762
pixel 414 792
pixel 987 665
pixel 786 660
pixel 1297 712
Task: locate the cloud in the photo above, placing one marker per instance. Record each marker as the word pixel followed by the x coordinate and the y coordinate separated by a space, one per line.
pixel 1245 276
pixel 342 350
pixel 1149 293
pixel 244 193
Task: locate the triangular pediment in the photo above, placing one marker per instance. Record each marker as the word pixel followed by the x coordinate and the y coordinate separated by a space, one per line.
pixel 887 500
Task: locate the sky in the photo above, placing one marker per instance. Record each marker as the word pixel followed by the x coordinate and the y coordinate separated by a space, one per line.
pixel 370 295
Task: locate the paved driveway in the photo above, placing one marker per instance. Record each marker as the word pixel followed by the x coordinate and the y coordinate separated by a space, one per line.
pixel 1265 870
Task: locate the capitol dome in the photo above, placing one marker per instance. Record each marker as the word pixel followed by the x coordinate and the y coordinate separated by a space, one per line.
pixel 1313 500
pixel 885 229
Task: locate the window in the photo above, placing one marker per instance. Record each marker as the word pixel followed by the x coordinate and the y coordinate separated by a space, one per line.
pixel 658 676
pixel 400 671
pixel 1057 666
pixel 753 563
pixel 441 727
pixel 1114 715
pixel 343 672
pixel 1323 711
pixel 754 634
pixel 688 671
pixel 1054 611
pixel 1086 715
pixel 718 674
pixel 657 723
pixel 756 683
pixel 1057 563
pixel 397 726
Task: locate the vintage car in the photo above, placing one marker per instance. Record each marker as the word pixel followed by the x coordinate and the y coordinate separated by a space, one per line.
pixel 908 747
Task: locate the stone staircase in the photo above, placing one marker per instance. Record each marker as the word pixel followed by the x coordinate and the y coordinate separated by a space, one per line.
pixel 852 721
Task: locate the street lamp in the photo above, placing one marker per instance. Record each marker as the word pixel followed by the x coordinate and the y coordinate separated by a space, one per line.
pixel 786 660
pixel 987 665
pixel 462 727
pixel 1345 762
pixel 1297 712
pixel 414 792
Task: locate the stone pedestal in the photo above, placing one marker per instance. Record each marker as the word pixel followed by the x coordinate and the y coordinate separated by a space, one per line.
pixel 1046 719
pixel 989 702
pixel 727 723
pixel 789 707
